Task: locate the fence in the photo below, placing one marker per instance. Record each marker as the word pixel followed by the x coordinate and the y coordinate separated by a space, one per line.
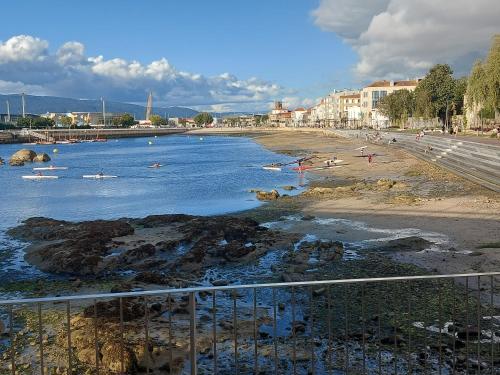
pixel 439 324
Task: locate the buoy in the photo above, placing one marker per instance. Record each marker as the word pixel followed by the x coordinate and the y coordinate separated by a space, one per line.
pixel 201 138
pixel 55 151
pixel 156 136
pixel 150 142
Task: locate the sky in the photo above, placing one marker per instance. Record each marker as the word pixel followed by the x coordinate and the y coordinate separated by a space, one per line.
pixel 228 55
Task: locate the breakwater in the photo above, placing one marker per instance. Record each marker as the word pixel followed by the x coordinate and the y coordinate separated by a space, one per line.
pixel 22 136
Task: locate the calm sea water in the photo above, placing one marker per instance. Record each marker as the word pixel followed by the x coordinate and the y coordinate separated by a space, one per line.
pixel 205 176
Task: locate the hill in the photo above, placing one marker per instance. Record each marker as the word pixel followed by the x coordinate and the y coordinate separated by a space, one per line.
pixel 44 104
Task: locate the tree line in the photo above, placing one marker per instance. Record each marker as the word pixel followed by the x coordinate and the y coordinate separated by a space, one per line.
pixel 441 95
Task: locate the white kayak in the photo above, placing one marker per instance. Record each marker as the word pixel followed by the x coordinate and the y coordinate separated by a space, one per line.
pixel 271 168
pixel 35 177
pixel 156 166
pixel 98 176
pixel 51 168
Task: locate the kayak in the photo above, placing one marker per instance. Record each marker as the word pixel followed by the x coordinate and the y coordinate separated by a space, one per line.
pixel 49 168
pixel 34 177
pixel 303 168
pixel 156 166
pixel 271 168
pixel 98 176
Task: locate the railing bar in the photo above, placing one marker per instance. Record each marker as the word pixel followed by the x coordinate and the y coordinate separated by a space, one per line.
pixel 12 341
pixel 454 318
pixel 294 328
pixel 363 326
pixel 214 328
pixel 467 324
pixel 492 311
pixel 379 298
pixel 96 342
pixel 479 325
pixel 409 328
pixel 233 287
pixel 311 308
pixel 146 333
pixel 329 302
pixel 395 332
pixel 170 347
pixel 346 345
pixel 255 343
pixel 235 334
pixel 275 333
pixel 192 333
pixel 40 338
pixel 68 322
pixel 440 321
pixel 426 334
pixel 122 344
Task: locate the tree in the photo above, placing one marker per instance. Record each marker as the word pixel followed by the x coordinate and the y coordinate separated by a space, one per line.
pixel 126 120
pixel 492 75
pixel 43 122
pixel 398 106
pixel 24 122
pixel 477 90
pixel 203 118
pixel 66 121
pixel 157 120
pixel 435 93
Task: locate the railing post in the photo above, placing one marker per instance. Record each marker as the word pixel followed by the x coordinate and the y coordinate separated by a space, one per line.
pixel 192 333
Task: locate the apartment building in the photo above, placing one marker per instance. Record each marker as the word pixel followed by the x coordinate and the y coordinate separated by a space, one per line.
pixel 371 95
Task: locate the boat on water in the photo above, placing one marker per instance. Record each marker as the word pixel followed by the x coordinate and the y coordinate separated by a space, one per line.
pixel 50 168
pixel 302 168
pixel 39 177
pixel 100 140
pixel 98 176
pixel 271 168
pixel 156 165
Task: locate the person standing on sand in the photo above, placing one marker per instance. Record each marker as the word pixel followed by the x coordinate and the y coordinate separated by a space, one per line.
pixel 370 158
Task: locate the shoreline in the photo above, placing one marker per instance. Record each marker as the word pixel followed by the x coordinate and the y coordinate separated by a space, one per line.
pixel 393 193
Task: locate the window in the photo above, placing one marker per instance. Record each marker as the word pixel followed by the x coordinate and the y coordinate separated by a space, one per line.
pixel 376 96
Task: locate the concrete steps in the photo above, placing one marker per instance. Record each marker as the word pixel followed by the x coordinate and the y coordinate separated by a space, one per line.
pixel 477 162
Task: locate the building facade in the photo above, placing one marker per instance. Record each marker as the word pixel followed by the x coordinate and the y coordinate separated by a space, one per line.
pixel 371 95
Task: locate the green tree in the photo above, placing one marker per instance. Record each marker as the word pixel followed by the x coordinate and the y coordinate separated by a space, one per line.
pixel 126 120
pixel 492 73
pixel 43 122
pixel 203 118
pixel 397 106
pixel 157 120
pixel 24 122
pixel 435 93
pixel 477 90
pixel 66 121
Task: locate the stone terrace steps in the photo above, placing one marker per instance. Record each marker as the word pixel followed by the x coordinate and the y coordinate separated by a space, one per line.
pixel 477 162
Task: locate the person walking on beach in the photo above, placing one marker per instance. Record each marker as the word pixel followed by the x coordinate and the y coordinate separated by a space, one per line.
pixel 370 158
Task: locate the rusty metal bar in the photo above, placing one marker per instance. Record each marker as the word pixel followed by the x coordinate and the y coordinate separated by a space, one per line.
pixel 12 341
pixel 96 340
pixel 255 342
pixel 40 339
pixel 122 344
pixel 214 328
pixel 235 333
pixel 192 333
pixel 70 349
pixel 479 325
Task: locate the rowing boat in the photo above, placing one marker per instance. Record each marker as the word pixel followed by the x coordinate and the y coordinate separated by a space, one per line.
pixel 302 168
pixel 271 168
pixel 51 168
pixel 98 176
pixel 35 177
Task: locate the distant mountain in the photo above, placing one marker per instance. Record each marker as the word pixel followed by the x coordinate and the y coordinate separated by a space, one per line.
pixel 44 104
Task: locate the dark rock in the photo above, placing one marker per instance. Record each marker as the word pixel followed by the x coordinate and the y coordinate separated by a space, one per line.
pixel 267 195
pixel 110 310
pixel 21 157
pixel 412 243
pixel 220 282
pixel 41 158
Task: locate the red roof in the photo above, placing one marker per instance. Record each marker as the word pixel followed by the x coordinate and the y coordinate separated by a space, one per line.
pixel 299 109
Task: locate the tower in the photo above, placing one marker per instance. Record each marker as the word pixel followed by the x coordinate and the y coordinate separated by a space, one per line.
pixel 149 106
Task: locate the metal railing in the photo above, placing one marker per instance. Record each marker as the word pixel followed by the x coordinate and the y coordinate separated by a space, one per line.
pixel 439 324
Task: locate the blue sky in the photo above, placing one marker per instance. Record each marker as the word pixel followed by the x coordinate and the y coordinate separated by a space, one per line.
pixel 298 50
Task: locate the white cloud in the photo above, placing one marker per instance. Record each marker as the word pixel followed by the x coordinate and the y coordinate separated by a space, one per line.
pixel 25 62
pixel 23 48
pixel 401 38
